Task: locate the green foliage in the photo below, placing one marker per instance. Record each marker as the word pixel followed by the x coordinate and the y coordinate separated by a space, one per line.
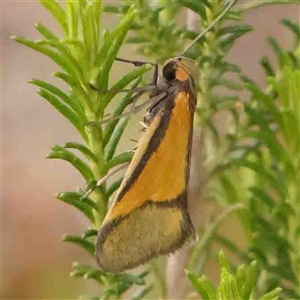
pixel 266 155
pixel 237 285
pixel 85 56
pixel 254 167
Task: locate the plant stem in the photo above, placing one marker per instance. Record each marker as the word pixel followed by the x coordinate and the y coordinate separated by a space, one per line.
pixel 99 169
pixel 211 228
pixel 160 279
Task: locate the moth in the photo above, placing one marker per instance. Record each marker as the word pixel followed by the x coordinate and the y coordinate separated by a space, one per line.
pixel 149 214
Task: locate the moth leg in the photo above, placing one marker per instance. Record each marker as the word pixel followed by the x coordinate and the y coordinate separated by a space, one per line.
pixel 146 88
pixel 104 179
pixel 136 63
pixel 134 109
pixel 133 100
pixel 155 75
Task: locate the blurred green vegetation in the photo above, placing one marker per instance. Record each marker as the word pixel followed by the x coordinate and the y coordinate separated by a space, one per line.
pixel 254 166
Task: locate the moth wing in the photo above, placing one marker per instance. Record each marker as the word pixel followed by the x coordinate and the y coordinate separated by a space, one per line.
pixel 149 216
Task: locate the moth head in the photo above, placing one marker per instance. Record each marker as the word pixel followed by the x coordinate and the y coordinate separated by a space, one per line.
pixel 181 69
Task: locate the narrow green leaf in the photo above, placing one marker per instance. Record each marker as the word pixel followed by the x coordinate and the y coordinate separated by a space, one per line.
pixel 207 3
pixel 240 277
pixel 113 9
pixel 124 81
pixel 275 47
pixel 116 39
pixel 90 232
pixel 121 288
pixel 223 261
pixel 48 52
pixel 228 83
pixel 250 281
pixel 115 138
pixel 95 274
pixel 126 100
pixel 262 98
pixel 74 67
pixel 85 244
pixel 95 19
pixel 79 270
pixel 283 273
pixel 208 287
pixel 73 199
pixel 66 78
pixel 57 12
pixel 79 194
pixel 228 67
pixel 142 293
pixel 61 153
pixel 261 194
pixel 288 90
pixel 234 29
pixel 97 8
pixel 269 139
pixel 229 189
pixel 81 93
pixel 234 16
pixel 86 15
pixel 265 174
pixel 228 288
pixel 106 40
pixel 273 295
pixel 65 111
pixel 228 41
pixel 72 19
pixel 213 131
pixel 90 202
pixel 83 149
pixel 139 280
pixel 45 32
pixel 196 6
pixel 120 159
pixel 198 287
pixel 136 40
pixel 266 64
pixel 62 96
pixel 292 26
pixel 259 116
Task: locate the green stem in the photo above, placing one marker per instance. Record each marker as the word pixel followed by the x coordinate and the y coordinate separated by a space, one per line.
pixel 99 168
pixel 160 278
pixel 209 232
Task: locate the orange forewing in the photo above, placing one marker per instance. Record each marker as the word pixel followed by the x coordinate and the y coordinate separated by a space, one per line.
pixel 163 178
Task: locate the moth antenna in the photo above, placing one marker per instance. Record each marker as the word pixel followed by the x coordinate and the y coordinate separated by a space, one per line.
pixel 220 16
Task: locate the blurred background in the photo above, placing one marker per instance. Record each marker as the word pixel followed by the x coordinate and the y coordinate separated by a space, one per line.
pixel 34 262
